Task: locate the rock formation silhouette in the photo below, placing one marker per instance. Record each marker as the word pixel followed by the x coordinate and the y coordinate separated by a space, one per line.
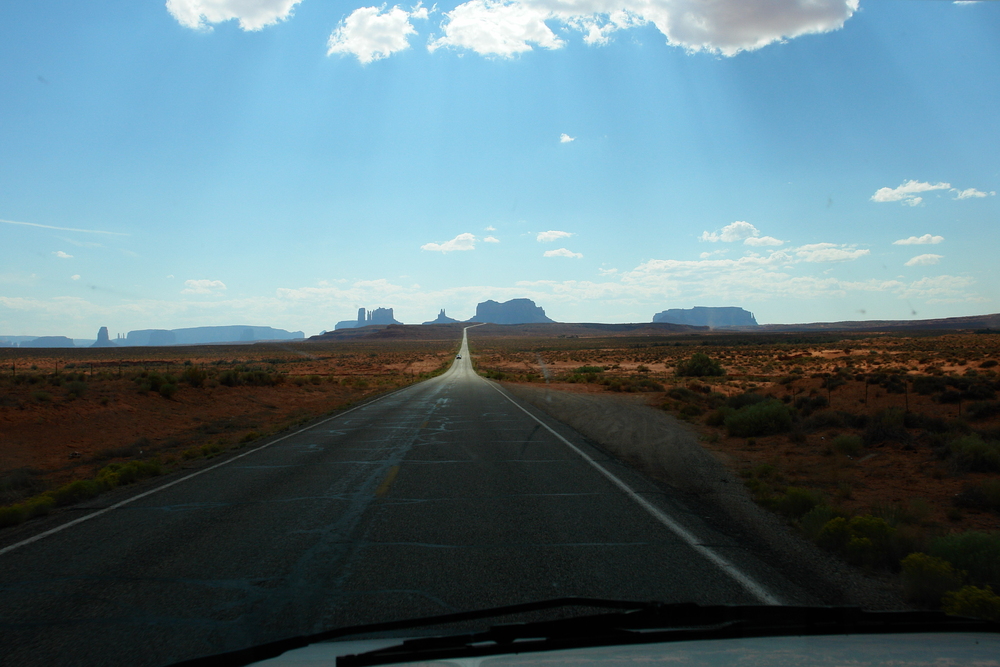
pixel 515 311
pixel 442 319
pixel 703 316
pixel 103 339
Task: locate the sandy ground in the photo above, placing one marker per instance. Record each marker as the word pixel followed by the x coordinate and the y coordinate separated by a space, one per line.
pixel 668 451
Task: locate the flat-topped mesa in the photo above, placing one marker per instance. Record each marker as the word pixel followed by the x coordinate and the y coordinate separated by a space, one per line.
pixel 442 319
pixel 515 311
pixel 705 316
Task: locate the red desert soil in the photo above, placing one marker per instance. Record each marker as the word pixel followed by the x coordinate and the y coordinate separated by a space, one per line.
pixel 60 436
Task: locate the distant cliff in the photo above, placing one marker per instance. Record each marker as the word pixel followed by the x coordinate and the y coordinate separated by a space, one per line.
pixel 442 319
pixel 515 311
pixel 366 317
pixel 49 341
pixel 702 316
pixel 203 335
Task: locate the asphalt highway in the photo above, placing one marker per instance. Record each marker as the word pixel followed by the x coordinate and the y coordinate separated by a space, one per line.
pixel 448 495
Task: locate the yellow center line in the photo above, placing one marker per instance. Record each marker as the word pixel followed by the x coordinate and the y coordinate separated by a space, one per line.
pixel 383 488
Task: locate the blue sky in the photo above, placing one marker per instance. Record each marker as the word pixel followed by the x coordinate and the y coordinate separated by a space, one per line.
pixel 282 163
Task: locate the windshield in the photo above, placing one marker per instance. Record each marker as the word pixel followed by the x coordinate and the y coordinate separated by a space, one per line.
pixel 316 314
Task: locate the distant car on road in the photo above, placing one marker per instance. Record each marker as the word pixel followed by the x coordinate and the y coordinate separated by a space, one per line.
pixel 458 357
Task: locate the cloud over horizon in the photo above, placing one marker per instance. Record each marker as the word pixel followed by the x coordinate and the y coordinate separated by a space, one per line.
pixel 552 235
pixel 562 252
pixel 740 231
pixel 464 241
pixel 924 260
pixel 907 192
pixel 203 286
pixel 919 240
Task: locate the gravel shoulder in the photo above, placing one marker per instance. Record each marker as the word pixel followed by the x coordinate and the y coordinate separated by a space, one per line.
pixel 668 451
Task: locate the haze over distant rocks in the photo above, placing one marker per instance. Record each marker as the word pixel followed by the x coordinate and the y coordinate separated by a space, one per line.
pixel 367 317
pixel 515 311
pixel 103 339
pixel 705 316
pixel 48 341
pixel 208 335
pixel 442 319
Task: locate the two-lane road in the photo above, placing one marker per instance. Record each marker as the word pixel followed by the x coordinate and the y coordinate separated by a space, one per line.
pixel 448 495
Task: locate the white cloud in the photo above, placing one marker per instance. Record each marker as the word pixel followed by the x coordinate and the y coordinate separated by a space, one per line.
pixel 552 235
pixel 461 242
pixel 491 239
pixel 491 228
pixel 562 252
pixel 924 260
pixel 758 241
pixel 829 252
pixel 75 277
pixel 62 255
pixel 252 14
pixel 907 192
pixel 607 272
pixel 565 138
pixel 203 286
pixel 507 27
pixel 920 240
pixel 971 193
pixel 740 231
pixel 496 28
pixel 369 33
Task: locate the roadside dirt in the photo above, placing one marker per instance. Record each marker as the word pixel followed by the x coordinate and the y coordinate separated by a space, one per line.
pixel 668 451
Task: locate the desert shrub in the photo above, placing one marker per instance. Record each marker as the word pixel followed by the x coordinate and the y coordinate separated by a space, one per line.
pixel 589 369
pixel 926 385
pixel 973 602
pixel 75 389
pixel 167 390
pixel 983 409
pixel 765 418
pixel 718 417
pixel 18 484
pixel 813 521
pixel 249 437
pixel 796 502
pixel 699 365
pixel 11 515
pixel 683 394
pixel 977 553
pixel 229 378
pixel 743 400
pixel 979 392
pixel 989 363
pixel 117 474
pixel 862 540
pixel 984 496
pixel 194 376
pixel 74 492
pixel 927 578
pixel 848 444
pixel 949 396
pixel 971 453
pixel 807 405
pixel 41 396
pixel 886 426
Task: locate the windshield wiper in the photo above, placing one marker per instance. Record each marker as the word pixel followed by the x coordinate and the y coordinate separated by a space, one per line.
pixel 629 623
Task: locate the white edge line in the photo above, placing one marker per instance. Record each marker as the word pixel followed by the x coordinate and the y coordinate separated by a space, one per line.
pixel 751 586
pixel 88 517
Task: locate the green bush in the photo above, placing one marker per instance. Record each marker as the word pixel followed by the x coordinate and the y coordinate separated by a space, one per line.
pixel 886 426
pixel 117 474
pixel 699 365
pixel 75 389
pixel 589 369
pixel 168 390
pixel 972 602
pixel 745 399
pixel 835 534
pixel 848 444
pixel 41 396
pixel 862 540
pixel 194 376
pixel 971 454
pixel 977 553
pixel 984 496
pixel 927 578
pixel 796 502
pixel 766 418
pixel 81 489
pixel 813 521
